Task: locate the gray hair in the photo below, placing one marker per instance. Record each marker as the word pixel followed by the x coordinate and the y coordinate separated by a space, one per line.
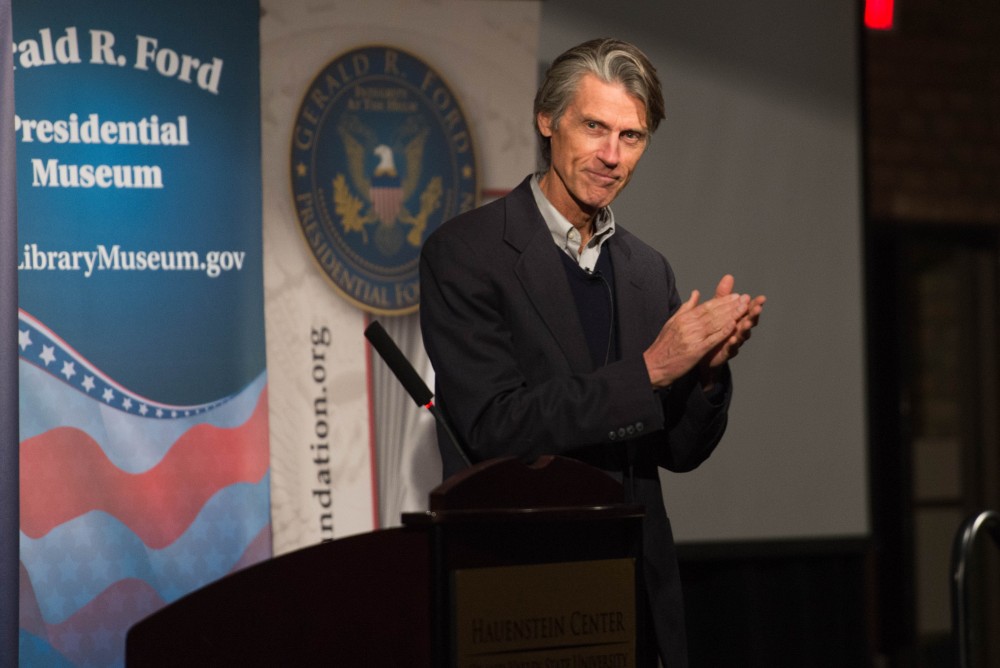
pixel 611 61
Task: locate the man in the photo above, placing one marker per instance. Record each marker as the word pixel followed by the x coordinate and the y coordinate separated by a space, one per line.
pixel 553 330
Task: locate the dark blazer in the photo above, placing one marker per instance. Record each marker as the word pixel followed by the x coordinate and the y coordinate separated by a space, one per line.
pixel 514 374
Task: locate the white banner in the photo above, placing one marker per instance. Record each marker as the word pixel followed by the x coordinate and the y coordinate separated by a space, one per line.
pixel 349 449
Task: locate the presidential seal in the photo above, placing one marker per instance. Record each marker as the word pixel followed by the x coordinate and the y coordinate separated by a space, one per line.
pixel 381 156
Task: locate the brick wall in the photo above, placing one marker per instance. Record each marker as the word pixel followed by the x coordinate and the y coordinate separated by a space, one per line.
pixel 933 113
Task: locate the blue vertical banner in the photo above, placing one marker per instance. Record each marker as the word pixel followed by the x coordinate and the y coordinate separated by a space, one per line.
pixel 8 353
pixel 143 435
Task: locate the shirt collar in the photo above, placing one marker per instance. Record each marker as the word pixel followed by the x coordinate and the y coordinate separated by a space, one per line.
pixel 567 237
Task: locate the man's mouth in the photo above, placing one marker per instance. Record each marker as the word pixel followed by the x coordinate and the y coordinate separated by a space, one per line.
pixel 603 179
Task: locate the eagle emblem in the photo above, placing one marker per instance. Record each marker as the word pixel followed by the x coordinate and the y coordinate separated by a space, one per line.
pixel 375 192
pixel 381 156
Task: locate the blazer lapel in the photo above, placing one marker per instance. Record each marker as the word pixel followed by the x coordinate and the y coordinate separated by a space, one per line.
pixel 543 277
pixel 634 326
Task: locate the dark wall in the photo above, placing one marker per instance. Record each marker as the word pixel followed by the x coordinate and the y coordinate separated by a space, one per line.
pixel 800 605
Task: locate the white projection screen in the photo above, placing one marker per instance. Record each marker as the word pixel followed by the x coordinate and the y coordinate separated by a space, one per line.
pixel 757 172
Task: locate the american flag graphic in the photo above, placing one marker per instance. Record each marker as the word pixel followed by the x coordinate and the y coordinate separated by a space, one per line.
pixel 129 503
pixel 387 202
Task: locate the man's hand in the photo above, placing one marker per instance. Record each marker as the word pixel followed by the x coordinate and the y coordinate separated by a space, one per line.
pixel 704 335
pixel 730 347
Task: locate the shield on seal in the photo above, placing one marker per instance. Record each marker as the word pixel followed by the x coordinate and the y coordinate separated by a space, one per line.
pixel 385 193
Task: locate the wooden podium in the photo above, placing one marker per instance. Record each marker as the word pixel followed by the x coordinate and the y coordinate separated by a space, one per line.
pixel 513 565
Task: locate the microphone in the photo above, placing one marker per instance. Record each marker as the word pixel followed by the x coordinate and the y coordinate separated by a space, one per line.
pixel 409 379
pixel 398 364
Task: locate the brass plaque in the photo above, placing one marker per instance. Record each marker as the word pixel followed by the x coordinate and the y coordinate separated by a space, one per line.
pixel 577 614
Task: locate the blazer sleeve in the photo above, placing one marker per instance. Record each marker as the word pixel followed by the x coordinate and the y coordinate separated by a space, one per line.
pixel 693 422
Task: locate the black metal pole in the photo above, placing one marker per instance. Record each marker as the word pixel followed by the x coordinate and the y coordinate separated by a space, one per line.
pixel 961 551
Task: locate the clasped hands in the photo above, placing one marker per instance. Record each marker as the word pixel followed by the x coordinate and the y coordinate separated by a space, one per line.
pixel 704 335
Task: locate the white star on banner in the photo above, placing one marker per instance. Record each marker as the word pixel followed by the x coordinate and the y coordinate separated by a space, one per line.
pixel 68 370
pixel 48 354
pixel 88 383
pixel 143 409
pixel 108 395
pixel 127 404
pixel 24 338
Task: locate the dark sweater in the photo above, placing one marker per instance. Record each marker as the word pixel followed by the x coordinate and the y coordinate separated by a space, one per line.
pixel 594 296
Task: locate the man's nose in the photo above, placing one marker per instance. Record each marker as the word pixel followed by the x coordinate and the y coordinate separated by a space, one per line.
pixel 610 152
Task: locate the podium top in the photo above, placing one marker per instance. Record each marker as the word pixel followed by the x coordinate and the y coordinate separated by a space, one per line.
pixel 507 483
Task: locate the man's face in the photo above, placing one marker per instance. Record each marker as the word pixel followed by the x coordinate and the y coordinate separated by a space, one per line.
pixel 595 148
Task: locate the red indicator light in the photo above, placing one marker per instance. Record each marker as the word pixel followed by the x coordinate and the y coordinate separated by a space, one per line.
pixel 878 14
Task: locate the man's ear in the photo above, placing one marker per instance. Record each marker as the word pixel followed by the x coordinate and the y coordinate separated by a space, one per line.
pixel 544 122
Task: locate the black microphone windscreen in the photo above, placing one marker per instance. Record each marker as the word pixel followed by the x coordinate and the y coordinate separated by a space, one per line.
pixel 398 364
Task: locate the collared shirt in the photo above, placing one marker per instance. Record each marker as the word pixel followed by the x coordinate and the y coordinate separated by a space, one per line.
pixel 568 237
